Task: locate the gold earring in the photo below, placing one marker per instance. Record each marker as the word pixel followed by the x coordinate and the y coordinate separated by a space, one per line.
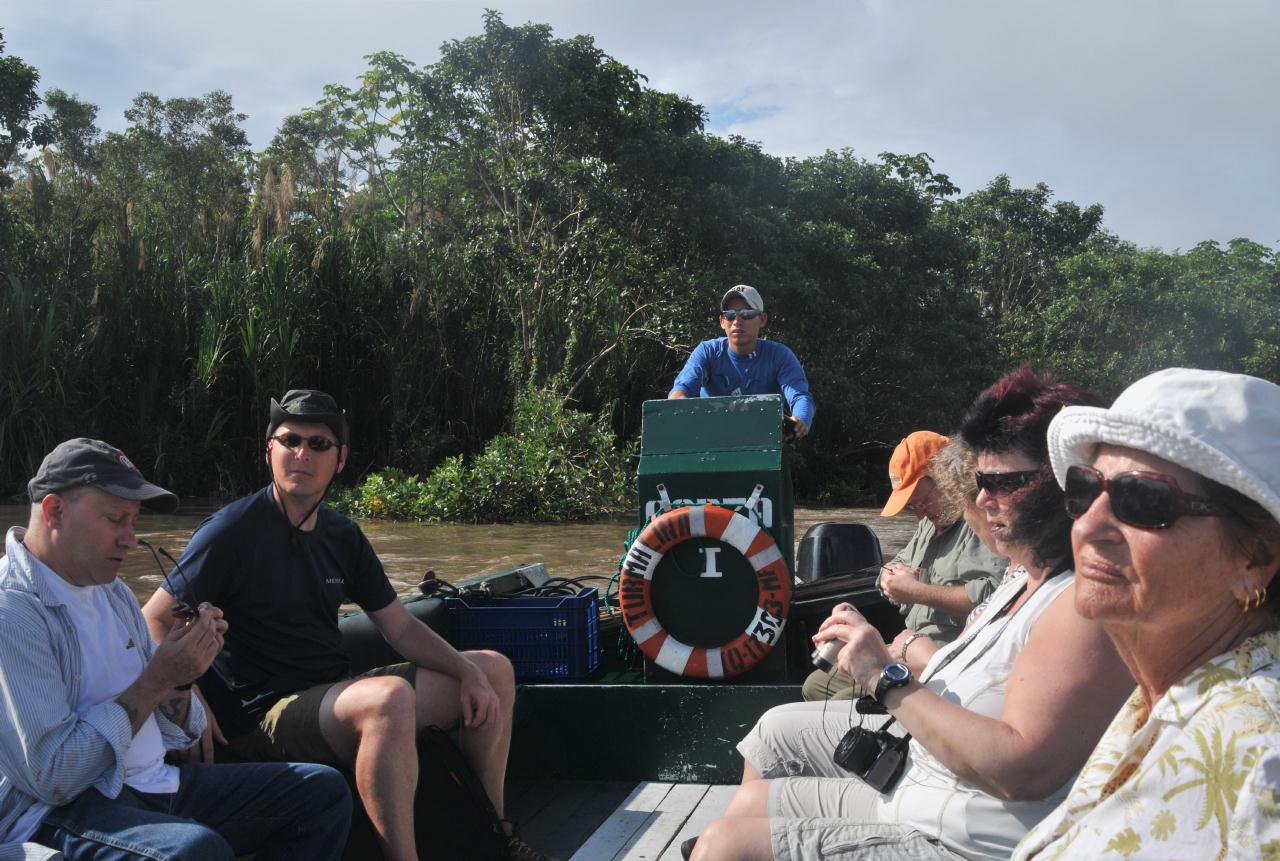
pixel 1255 600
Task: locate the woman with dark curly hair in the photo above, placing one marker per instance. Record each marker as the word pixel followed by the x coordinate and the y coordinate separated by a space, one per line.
pixel 999 721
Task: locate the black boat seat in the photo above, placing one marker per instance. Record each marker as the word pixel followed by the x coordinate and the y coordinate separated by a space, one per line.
pixel 833 549
pixel 364 642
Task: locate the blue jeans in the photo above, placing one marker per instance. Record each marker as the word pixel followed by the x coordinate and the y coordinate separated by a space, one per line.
pixel 280 810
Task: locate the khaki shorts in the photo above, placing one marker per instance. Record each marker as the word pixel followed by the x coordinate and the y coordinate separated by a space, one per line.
pixel 816 808
pixel 290 730
pixel 802 839
pixel 830 817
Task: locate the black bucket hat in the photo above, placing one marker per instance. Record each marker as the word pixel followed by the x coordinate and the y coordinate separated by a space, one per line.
pixel 311 406
pixel 84 462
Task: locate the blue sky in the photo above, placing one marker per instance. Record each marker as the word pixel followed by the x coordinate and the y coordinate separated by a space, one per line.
pixel 1163 111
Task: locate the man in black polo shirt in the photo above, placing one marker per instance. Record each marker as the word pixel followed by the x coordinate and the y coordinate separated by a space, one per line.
pixel 280 563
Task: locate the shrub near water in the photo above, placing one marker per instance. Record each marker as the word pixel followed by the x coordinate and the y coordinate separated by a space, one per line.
pixel 556 464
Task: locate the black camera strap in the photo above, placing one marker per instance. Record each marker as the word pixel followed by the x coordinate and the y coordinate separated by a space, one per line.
pixel 988 619
pixel 869 705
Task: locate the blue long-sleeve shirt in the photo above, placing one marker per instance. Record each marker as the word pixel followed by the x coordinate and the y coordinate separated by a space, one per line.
pixel 49 754
pixel 714 370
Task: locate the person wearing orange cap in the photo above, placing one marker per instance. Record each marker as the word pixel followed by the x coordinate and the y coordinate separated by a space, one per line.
pixel 937 579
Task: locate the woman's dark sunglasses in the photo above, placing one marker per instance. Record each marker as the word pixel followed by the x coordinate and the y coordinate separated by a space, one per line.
pixel 315 443
pixel 1002 483
pixel 1147 500
pixel 732 314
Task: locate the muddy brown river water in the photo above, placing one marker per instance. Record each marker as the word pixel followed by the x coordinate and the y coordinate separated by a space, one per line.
pixel 456 551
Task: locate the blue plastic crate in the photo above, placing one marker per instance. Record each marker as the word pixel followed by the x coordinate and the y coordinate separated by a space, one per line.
pixel 545 638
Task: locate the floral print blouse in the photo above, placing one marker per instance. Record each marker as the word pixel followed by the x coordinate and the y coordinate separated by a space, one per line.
pixel 1197 778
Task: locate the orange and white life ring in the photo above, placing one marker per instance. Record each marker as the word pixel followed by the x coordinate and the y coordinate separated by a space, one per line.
pixel 773 591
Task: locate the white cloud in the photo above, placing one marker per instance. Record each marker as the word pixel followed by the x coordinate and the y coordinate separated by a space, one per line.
pixel 1158 109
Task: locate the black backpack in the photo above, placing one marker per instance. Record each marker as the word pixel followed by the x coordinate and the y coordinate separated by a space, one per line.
pixel 453 818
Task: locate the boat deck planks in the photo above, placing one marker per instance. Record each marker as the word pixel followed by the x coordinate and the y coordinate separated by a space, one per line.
pixel 650 822
pixel 558 816
pixel 712 805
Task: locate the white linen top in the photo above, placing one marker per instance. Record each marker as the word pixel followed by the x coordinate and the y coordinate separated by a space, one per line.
pixel 1196 776
pixel 929 797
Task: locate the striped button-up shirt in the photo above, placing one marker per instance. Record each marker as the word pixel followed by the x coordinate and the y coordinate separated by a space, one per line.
pixel 49 753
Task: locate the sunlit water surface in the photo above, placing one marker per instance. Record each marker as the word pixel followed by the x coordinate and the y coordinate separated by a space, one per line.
pixel 456 551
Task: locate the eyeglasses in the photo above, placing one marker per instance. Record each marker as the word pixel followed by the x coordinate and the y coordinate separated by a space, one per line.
pixel 1147 500
pixel 315 443
pixel 1004 483
pixel 918 506
pixel 732 314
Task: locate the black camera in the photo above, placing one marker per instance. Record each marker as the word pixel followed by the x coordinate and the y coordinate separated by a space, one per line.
pixel 876 756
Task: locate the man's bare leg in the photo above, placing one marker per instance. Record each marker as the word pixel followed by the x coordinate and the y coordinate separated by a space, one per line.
pixel 370 724
pixel 486 747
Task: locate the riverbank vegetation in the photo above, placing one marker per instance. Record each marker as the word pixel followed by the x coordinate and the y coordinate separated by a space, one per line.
pixel 493 259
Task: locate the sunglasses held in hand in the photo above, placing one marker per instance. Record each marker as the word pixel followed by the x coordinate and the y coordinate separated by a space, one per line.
pixel 1147 500
pixel 315 443
pixel 182 611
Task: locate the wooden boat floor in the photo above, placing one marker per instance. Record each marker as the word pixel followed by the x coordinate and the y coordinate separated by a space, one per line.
pixel 612 820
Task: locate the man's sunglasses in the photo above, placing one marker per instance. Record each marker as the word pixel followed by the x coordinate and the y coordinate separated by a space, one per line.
pixel 732 314
pixel 315 443
pixel 1147 500
pixel 1004 483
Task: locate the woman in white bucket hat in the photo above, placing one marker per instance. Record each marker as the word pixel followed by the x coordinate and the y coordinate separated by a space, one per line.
pixel 1176 494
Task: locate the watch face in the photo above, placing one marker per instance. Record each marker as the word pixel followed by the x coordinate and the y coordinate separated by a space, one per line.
pixel 896 673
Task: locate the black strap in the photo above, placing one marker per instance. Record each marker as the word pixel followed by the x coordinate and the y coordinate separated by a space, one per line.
pixel 987 620
pixel 295 529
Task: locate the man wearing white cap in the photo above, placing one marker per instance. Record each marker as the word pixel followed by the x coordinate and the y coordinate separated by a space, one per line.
pixel 743 363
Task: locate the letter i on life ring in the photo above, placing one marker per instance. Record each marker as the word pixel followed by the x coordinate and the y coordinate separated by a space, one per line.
pixel 773 592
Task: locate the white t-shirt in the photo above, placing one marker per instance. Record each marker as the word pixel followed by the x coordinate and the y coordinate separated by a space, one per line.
pixel 111 662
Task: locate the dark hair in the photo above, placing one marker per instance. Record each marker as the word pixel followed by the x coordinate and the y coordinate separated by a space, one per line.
pixel 1248 525
pixel 1013 415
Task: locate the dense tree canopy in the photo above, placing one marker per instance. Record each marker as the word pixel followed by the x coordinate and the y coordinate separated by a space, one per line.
pixel 469 252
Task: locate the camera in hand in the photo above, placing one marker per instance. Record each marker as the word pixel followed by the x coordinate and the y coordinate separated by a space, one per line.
pixel 824 657
pixel 876 756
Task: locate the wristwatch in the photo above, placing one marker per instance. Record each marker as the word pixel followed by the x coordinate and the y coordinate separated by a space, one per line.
pixel 894 675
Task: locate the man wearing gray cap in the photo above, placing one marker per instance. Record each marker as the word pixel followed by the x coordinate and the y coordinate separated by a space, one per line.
pixel 281 564
pixel 89 706
pixel 743 363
